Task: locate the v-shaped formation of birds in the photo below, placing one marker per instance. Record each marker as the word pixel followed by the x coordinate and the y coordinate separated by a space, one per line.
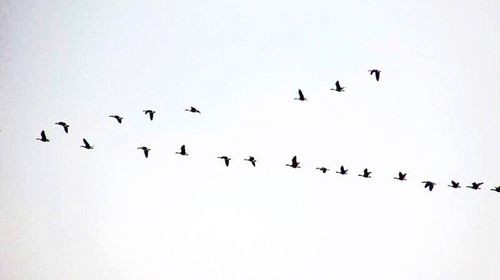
pixel 294 164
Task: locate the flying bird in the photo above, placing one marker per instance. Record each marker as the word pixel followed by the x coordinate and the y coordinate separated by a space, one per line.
pixel 150 112
pixel 226 159
pixel 342 171
pixel 338 88
pixel 429 184
pixel 454 185
pixel 193 110
pixel 86 145
pixel 145 150
pixel 44 137
pixel 497 189
pixel 376 72
pixel 475 186
pixel 323 169
pixel 294 164
pixel 401 177
pixel 301 96
pixel 118 118
pixel 252 160
pixel 183 151
pixel 366 173
pixel 64 125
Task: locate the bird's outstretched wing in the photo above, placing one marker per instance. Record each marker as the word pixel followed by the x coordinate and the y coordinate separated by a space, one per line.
pixel 294 160
pixel 43 134
pixel 183 149
pixel 337 84
pixel 86 143
pixel 146 152
pixel 377 75
pixel 301 95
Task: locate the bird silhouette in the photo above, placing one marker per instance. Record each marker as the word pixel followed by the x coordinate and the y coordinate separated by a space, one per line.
pixel 226 159
pixel 64 125
pixel 342 171
pixel 429 184
pixel 251 159
pixel 323 169
pixel 193 110
pixel 401 177
pixel 44 137
pixel 86 145
pixel 376 72
pixel 183 151
pixel 475 186
pixel 338 88
pixel 301 96
pixel 454 185
pixel 145 150
pixel 365 174
pixel 294 164
pixel 118 118
pixel 150 112
pixel 497 189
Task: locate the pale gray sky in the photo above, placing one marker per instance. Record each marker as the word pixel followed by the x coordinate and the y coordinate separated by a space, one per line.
pixel 109 213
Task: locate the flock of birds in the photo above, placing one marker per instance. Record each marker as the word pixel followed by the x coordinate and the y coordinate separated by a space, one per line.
pixel 294 164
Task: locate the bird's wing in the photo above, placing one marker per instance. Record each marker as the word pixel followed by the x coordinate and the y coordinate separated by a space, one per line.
pixel 66 129
pixel 146 152
pixel 85 142
pixel 183 149
pixel 253 163
pixel 43 134
pixel 377 75
pixel 337 84
pixel 294 160
pixel 301 95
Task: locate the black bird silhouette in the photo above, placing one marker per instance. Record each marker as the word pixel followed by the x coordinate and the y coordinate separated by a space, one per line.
pixel 294 164
pixel 454 184
pixel 87 145
pixel 497 189
pixel 226 159
pixel 342 171
pixel 475 186
pixel 150 112
pixel 429 184
pixel 377 73
pixel 301 96
pixel 251 159
pixel 193 110
pixel 118 118
pixel 183 151
pixel 401 177
pixel 323 169
pixel 338 88
pixel 365 174
pixel 44 137
pixel 145 150
pixel 64 125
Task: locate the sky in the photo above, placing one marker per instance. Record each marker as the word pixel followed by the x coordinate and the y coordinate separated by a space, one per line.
pixel 110 213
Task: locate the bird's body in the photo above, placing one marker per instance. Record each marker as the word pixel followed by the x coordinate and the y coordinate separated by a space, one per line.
pixel 301 96
pixel 226 159
pixel 183 151
pixel 43 137
pixel 429 184
pixel 366 173
pixel 252 160
pixel 475 186
pixel 294 164
pixel 86 145
pixel 338 88
pixel 193 110
pixel 145 150
pixel 64 125
pixel 401 176
pixel 342 171
pixel 454 184
pixel 150 113
pixel 118 118
pixel 497 189
pixel 376 72
pixel 323 169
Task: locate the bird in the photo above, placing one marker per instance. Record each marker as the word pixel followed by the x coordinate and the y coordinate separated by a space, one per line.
pixel 118 118
pixel 294 164
pixel 183 151
pixel 401 177
pixel 337 88
pixel 301 96
pixel 44 137
pixel 366 173
pixel 64 125
pixel 475 186
pixel 226 159
pixel 193 110
pixel 87 145
pixel 145 150
pixel 150 112
pixel 323 169
pixel 251 159
pixel 342 171
pixel 377 73
pixel 497 189
pixel 429 184
pixel 454 184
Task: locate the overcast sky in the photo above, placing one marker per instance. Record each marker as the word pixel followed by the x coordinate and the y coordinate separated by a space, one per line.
pixel 110 213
